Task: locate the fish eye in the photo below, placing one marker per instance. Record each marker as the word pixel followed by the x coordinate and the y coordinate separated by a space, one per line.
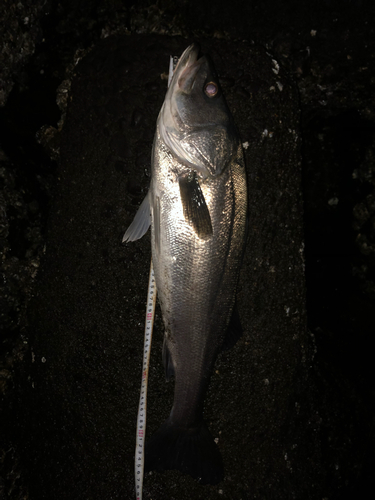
pixel 211 89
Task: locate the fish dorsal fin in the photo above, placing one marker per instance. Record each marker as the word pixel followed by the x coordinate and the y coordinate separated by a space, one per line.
pixel 141 221
pixel 194 205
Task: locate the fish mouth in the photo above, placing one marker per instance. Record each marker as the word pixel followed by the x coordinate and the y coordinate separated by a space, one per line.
pixel 187 68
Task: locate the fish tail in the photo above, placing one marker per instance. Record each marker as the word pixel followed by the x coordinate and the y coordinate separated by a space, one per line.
pixel 192 451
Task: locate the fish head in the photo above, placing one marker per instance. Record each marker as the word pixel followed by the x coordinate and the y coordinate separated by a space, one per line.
pixel 195 122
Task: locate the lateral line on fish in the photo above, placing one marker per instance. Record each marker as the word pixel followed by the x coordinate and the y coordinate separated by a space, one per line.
pixel 139 458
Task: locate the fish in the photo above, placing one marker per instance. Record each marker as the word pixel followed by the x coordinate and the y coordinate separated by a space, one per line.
pixel 197 209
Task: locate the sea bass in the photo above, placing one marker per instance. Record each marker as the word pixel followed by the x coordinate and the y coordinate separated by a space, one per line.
pixel 196 206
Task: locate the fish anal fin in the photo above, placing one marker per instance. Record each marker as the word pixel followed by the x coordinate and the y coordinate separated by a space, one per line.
pixel 234 331
pixel 194 205
pixel 167 361
pixel 141 221
pixel 191 450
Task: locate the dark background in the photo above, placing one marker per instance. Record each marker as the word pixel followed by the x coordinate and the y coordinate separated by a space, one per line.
pixel 327 46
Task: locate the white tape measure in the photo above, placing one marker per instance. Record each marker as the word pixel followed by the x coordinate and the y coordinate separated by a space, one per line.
pixel 142 408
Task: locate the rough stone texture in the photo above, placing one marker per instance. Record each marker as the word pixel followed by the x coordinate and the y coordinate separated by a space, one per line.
pixel 20 31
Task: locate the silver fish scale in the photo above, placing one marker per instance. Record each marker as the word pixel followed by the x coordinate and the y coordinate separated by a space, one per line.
pixel 196 278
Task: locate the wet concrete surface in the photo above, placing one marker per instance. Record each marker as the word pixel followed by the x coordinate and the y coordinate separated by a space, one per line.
pixel 86 319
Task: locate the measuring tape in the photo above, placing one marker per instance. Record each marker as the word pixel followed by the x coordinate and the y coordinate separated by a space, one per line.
pixel 139 460
pixel 141 419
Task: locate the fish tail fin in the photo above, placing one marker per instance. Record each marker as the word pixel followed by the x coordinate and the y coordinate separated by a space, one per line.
pixel 192 451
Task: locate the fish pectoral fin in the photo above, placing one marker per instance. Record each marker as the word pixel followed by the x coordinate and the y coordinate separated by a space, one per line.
pixel 234 331
pixel 167 361
pixel 194 205
pixel 141 221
